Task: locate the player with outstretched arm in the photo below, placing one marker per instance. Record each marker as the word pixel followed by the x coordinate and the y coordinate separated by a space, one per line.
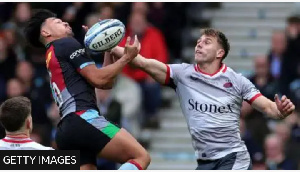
pixel 211 96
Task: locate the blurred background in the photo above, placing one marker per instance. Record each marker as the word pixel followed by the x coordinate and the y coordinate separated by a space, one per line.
pixel 265 41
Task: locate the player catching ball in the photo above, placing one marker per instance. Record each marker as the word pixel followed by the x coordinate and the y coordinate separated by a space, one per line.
pixel 74 77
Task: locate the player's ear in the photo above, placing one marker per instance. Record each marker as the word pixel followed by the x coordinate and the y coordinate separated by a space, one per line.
pixel 45 32
pixel 28 122
pixel 220 53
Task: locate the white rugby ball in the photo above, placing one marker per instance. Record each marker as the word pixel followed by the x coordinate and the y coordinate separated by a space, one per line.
pixel 104 35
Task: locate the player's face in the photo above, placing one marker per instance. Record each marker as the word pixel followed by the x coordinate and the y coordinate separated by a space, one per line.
pixel 207 49
pixel 56 28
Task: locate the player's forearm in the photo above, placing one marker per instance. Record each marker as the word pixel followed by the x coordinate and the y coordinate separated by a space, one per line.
pixel 272 111
pixel 108 74
pixel 107 59
pixel 156 69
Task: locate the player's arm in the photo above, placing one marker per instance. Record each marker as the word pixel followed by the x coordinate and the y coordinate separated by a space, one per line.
pixel 277 110
pixel 156 69
pixel 104 77
pixel 108 59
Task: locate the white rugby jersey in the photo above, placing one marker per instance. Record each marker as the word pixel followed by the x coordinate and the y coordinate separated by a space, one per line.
pixel 18 143
pixel 211 105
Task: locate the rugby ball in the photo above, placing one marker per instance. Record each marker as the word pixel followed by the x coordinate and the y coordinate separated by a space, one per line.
pixel 104 35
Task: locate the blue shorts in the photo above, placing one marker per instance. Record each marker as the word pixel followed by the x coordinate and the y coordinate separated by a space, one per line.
pixel 232 161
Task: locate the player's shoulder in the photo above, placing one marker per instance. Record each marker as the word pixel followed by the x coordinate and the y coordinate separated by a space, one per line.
pixel 232 73
pixel 181 65
pixel 67 42
pixel 1 142
pixel 38 146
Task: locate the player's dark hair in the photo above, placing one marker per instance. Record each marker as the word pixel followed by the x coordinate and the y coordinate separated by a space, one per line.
pixel 222 39
pixel 293 19
pixel 13 113
pixel 33 27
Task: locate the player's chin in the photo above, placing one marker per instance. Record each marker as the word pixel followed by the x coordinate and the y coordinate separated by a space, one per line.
pixel 70 33
pixel 199 59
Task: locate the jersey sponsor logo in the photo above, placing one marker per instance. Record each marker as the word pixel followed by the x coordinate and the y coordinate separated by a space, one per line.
pixel 212 108
pixel 227 85
pixel 77 53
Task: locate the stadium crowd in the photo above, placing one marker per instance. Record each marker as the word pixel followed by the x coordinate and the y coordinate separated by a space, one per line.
pixel 136 98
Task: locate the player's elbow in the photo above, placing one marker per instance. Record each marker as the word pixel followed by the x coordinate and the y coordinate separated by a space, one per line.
pixel 103 83
pixel 108 85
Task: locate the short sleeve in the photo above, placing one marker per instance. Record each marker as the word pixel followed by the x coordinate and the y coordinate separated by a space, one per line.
pixel 173 74
pixel 75 53
pixel 248 90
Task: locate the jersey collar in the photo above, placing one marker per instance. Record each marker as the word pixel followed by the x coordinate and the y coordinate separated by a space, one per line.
pixel 222 69
pixel 15 139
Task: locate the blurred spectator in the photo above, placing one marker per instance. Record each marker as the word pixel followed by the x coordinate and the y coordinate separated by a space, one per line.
pixel 53 115
pixel 295 125
pixel 24 72
pixel 128 93
pixel 157 14
pixel 291 147
pixel 291 64
pixel 283 131
pixel 258 162
pixel 22 13
pixel 254 148
pixel 275 157
pixel 91 19
pixel 173 27
pixel 106 12
pixel 264 82
pixel 14 88
pixel 108 106
pixel 153 46
pixel 33 90
pixel 140 7
pixel 262 77
pixel 15 28
pixel 7 60
pixel 277 52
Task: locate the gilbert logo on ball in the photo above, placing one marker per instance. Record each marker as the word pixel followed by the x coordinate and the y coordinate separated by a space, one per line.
pixel 104 35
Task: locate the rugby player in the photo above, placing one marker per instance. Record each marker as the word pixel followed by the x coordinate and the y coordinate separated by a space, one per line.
pixel 211 96
pixel 15 116
pixel 73 77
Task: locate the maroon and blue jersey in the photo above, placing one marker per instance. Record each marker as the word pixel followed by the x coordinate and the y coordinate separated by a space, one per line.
pixel 64 59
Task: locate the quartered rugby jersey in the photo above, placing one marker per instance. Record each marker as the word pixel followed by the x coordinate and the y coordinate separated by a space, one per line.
pixel 211 105
pixel 64 59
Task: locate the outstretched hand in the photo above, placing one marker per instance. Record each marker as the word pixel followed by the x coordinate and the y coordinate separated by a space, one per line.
pixel 285 106
pixel 131 51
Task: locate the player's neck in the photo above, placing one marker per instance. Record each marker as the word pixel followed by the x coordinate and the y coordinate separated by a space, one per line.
pixel 51 39
pixel 18 134
pixel 210 68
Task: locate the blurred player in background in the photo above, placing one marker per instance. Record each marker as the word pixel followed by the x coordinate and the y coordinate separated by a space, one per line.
pixel 211 96
pixel 15 116
pixel 73 77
